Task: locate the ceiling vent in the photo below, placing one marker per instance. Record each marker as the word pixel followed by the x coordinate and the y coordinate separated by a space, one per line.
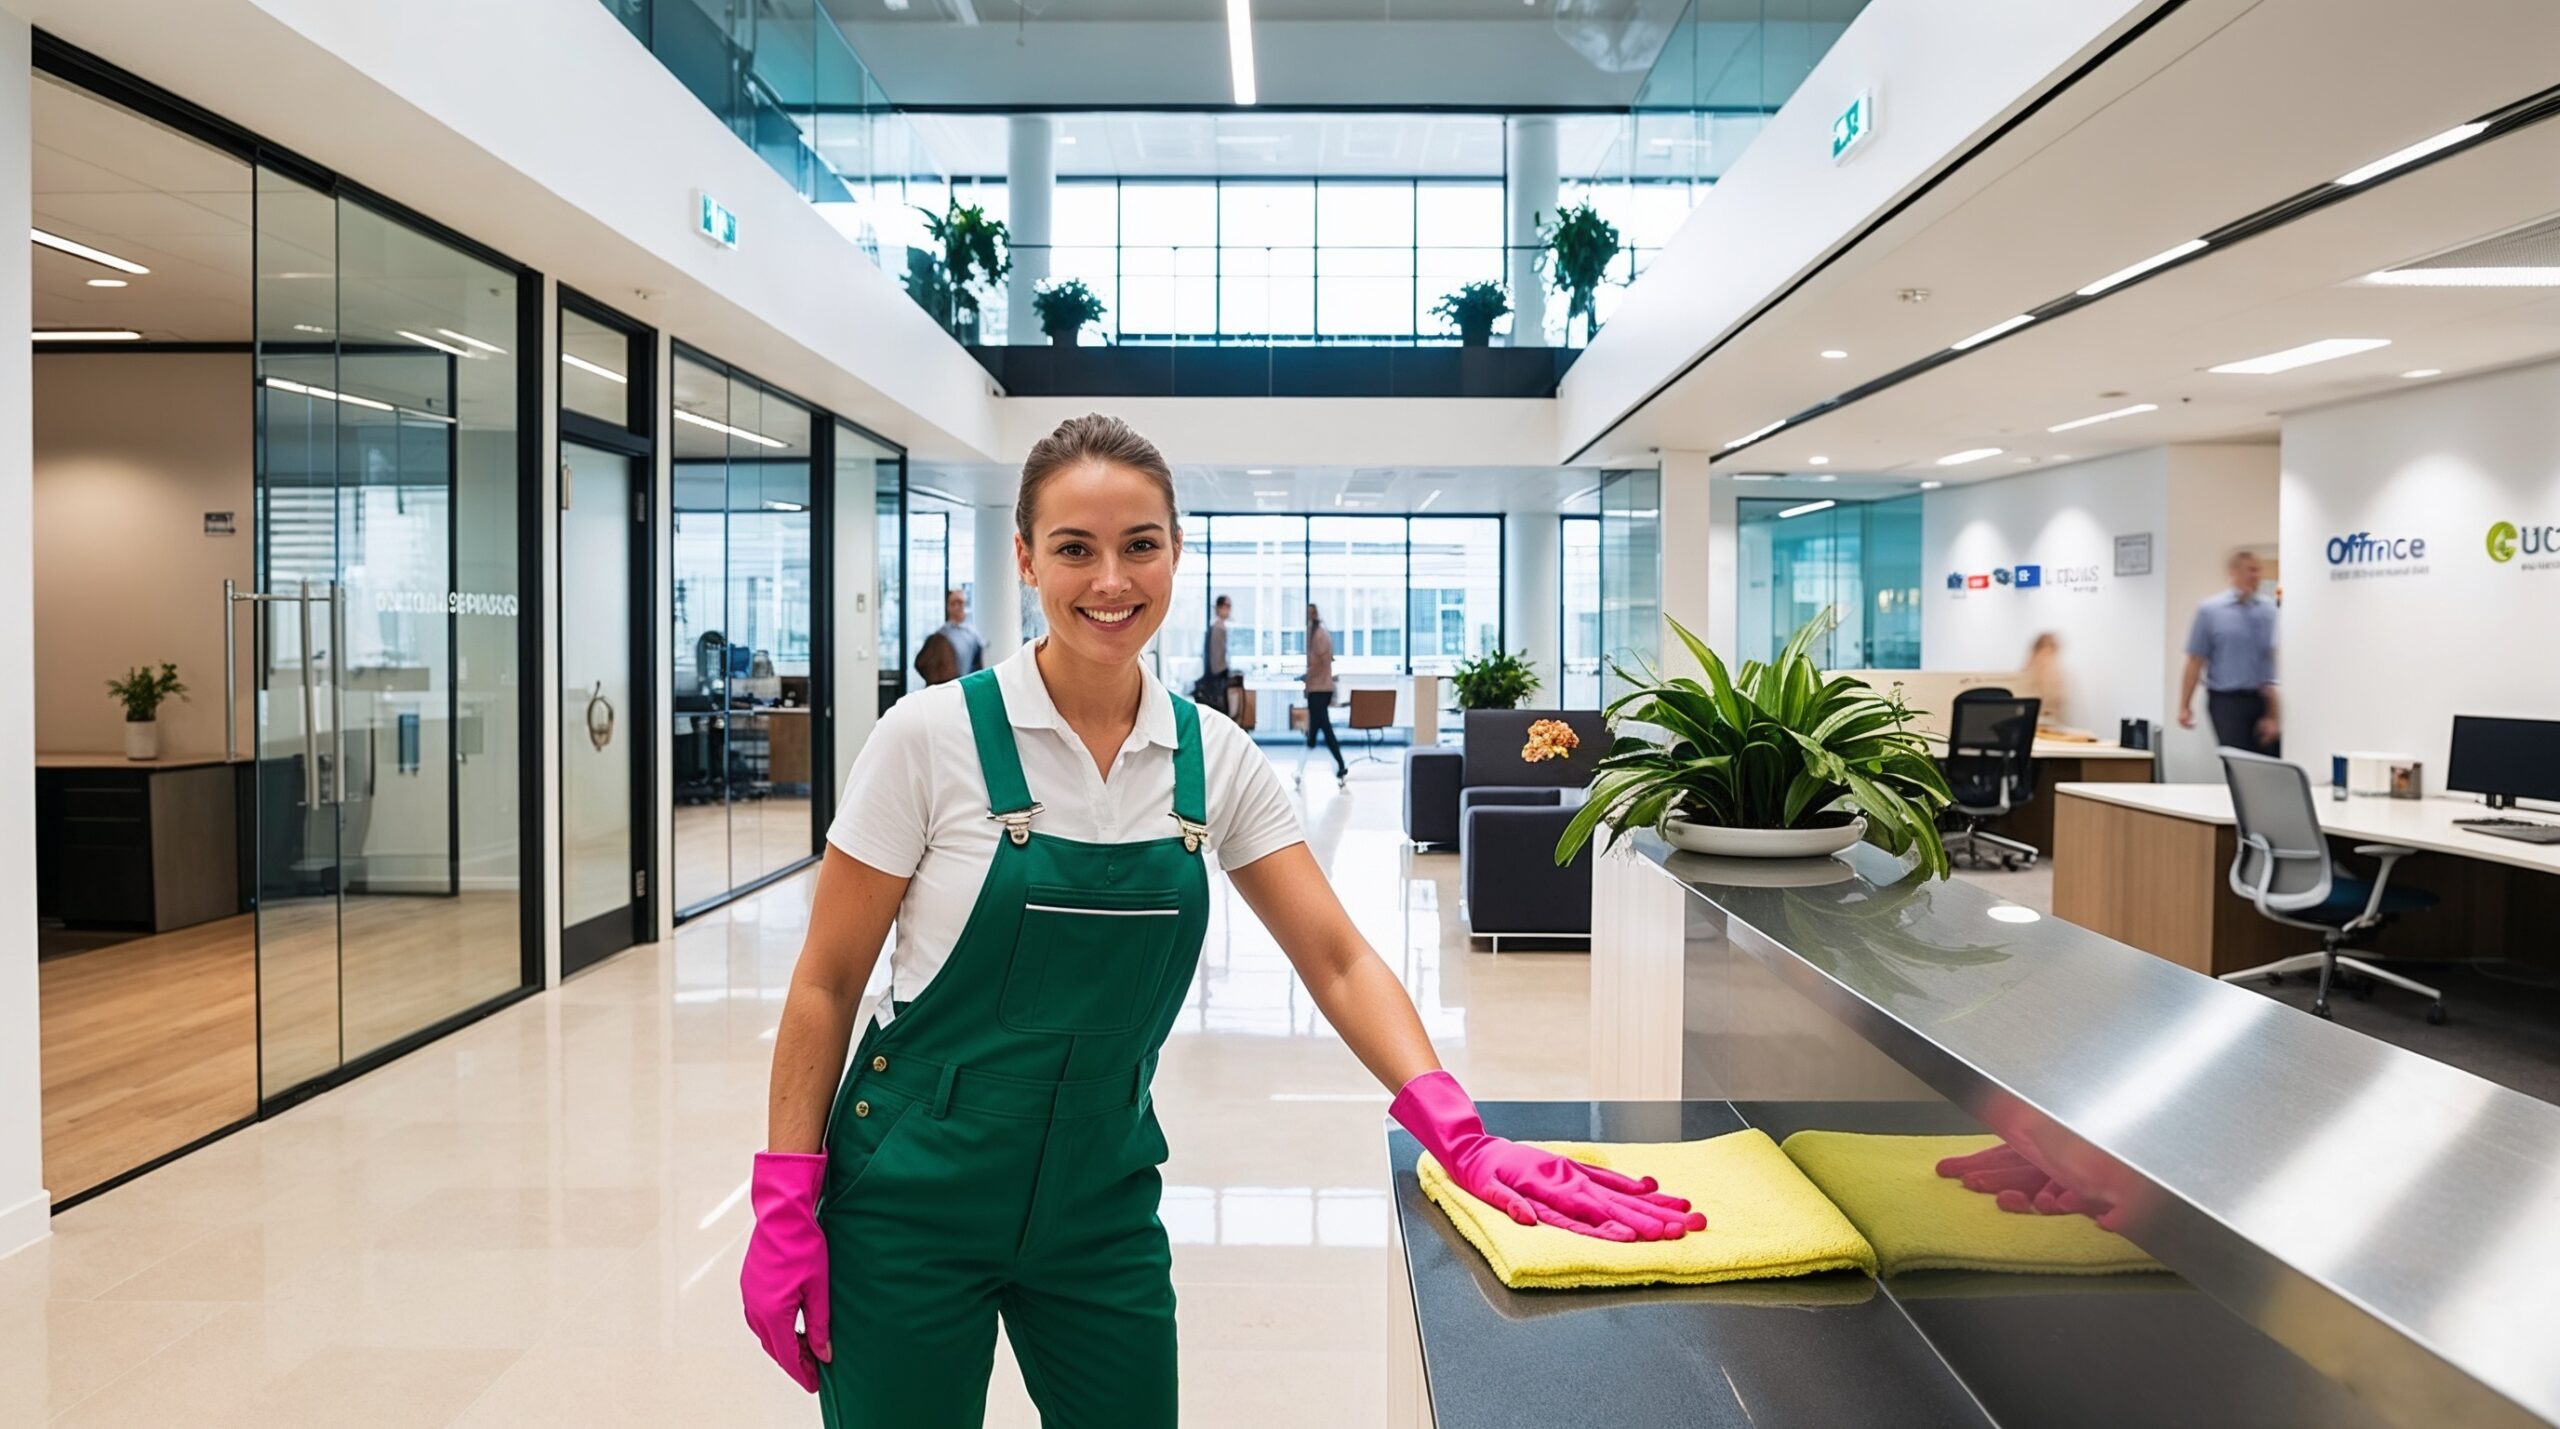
pixel 2519 257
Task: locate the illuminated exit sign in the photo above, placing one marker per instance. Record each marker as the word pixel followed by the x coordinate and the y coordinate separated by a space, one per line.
pixel 714 222
pixel 1854 127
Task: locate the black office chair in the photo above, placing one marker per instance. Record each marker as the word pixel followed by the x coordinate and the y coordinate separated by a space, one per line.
pixel 1990 766
pixel 2282 867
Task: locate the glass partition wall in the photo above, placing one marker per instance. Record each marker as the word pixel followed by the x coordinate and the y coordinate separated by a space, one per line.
pixel 1631 557
pixel 1861 558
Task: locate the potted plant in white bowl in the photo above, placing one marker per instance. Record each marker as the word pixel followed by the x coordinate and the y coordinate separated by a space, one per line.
pixel 141 692
pixel 1779 762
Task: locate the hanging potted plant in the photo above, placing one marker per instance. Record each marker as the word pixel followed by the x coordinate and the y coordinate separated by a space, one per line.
pixel 141 692
pixel 976 253
pixel 1472 310
pixel 1064 306
pixel 1580 246
pixel 1496 680
pixel 1777 762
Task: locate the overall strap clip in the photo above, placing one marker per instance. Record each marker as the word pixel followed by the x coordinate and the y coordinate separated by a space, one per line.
pixel 1193 834
pixel 1017 824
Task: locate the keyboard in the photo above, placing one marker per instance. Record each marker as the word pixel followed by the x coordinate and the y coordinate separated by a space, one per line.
pixel 2531 831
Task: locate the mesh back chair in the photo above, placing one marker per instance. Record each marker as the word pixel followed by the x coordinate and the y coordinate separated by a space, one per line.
pixel 1990 764
pixel 2282 867
pixel 1371 712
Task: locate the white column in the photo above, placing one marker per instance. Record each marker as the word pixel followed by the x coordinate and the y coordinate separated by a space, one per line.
pixel 1531 194
pixel 998 615
pixel 25 1209
pixel 1031 190
pixel 1529 541
pixel 1690 562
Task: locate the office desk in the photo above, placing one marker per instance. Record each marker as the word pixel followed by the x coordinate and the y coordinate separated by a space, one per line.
pixel 2150 865
pixel 149 845
pixel 2059 762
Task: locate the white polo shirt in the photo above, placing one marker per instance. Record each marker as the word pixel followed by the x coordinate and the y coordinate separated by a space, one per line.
pixel 915 804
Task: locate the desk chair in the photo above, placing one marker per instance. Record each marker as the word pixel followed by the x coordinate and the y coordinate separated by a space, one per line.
pixel 1990 765
pixel 1372 711
pixel 2282 867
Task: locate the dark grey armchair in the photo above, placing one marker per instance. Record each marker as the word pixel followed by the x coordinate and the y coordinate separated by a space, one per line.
pixel 1508 875
pixel 1436 781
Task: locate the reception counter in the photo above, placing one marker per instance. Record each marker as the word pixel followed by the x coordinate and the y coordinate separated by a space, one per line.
pixel 2352 1234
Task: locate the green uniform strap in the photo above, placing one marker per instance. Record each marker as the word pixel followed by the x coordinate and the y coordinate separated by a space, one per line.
pixel 1006 792
pixel 1190 788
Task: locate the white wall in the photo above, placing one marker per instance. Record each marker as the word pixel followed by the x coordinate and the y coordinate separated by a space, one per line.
pixel 1531 604
pixel 1308 431
pixel 2381 656
pixel 124 573
pixel 24 1207
pixel 2222 499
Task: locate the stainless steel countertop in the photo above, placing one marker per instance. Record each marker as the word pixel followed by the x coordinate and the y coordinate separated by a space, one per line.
pixel 2393 1220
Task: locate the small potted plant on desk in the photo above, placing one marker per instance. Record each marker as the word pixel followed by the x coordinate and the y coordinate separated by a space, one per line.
pixel 1496 680
pixel 141 692
pixel 1472 311
pixel 1064 306
pixel 1778 762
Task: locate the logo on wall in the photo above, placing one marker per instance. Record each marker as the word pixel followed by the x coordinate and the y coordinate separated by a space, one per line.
pixel 2000 575
pixel 2362 555
pixel 1977 582
pixel 2027 577
pixel 1955 580
pixel 2507 540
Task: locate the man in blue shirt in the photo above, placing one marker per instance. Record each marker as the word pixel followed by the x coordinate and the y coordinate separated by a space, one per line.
pixel 2231 649
pixel 969 653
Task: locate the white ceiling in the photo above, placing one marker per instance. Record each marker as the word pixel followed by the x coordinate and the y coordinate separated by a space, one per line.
pixel 2228 107
pixel 1324 491
pixel 118 182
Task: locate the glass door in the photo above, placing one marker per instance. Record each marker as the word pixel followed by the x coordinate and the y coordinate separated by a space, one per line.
pixel 1578 623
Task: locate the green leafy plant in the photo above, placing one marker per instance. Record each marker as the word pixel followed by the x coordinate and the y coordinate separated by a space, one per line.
pixel 1779 746
pixel 1580 247
pixel 142 690
pixel 929 286
pixel 976 254
pixel 1064 306
pixel 1495 680
pixel 1472 311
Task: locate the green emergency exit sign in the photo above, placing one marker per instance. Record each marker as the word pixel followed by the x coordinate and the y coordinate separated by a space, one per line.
pixel 1854 126
pixel 713 221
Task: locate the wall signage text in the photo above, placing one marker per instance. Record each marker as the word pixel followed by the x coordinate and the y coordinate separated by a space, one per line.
pixel 2360 555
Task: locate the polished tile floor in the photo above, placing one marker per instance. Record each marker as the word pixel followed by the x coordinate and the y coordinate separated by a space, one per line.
pixel 539 1219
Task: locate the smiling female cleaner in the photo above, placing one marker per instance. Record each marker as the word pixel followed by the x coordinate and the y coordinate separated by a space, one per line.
pixel 1040 834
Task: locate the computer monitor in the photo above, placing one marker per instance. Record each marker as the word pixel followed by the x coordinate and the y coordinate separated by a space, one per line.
pixel 2506 759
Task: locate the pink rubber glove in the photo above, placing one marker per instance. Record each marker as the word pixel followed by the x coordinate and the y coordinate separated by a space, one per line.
pixel 1529 1185
pixel 785 1278
pixel 2018 1184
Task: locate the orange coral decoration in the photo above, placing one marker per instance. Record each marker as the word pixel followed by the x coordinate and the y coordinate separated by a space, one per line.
pixel 1550 739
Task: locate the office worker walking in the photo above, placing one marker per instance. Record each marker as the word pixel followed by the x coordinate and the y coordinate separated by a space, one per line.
pixel 1215 676
pixel 1320 692
pixel 2231 651
pixel 967 649
pixel 1039 836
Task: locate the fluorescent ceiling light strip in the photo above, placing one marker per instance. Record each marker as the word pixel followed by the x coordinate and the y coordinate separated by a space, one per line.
pixel 607 373
pixel 2156 260
pixel 937 492
pixel 1240 49
pixel 1978 339
pixel 759 438
pixel 2460 133
pixel 2136 410
pixel 1744 441
pixel 1426 501
pixel 1970 455
pixel 2515 277
pixel 324 394
pixel 1807 509
pixel 467 340
pixel 109 334
pixel 2326 349
pixel 99 256
pixel 443 347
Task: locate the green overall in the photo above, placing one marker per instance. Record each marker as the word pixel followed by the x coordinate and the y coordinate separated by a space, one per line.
pixel 993 1148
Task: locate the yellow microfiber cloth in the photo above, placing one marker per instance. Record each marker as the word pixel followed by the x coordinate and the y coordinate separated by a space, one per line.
pixel 1916 1219
pixel 1765 1221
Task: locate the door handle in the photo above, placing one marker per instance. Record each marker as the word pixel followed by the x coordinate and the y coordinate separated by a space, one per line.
pixel 310 734
pixel 338 691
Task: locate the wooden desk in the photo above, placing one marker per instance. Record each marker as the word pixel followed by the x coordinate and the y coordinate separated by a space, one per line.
pixel 150 845
pixel 787 752
pixel 2150 865
pixel 2059 762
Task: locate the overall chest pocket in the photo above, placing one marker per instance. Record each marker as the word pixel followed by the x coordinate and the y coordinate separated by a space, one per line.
pixel 1087 960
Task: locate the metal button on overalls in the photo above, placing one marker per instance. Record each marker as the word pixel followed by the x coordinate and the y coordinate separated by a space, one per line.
pixel 1002 1157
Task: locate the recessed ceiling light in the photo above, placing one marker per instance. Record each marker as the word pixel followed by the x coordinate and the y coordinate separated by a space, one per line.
pixel 1807 509
pixel 2423 372
pixel 2446 140
pixel 2005 325
pixel 1969 454
pixel 1931 485
pixel 306 327
pixel 2326 349
pixel 444 347
pixel 1259 492
pixel 596 369
pixel 106 282
pixel 2136 410
pixel 1748 438
pixel 73 334
pixel 1240 50
pixel 467 340
pixel 1755 476
pixel 1833 353
pixel 2510 277
pixel 1818 460
pixel 759 438
pixel 2156 260
pixel 100 256
pixel 1827 476
pixel 1257 471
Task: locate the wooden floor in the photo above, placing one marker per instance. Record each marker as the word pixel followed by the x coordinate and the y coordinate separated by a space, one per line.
pixel 721 847
pixel 153 1043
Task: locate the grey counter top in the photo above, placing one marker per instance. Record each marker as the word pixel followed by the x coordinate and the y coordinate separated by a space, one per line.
pixel 2394 1221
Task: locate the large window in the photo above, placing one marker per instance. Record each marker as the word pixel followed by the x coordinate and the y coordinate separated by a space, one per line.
pixel 1401 595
